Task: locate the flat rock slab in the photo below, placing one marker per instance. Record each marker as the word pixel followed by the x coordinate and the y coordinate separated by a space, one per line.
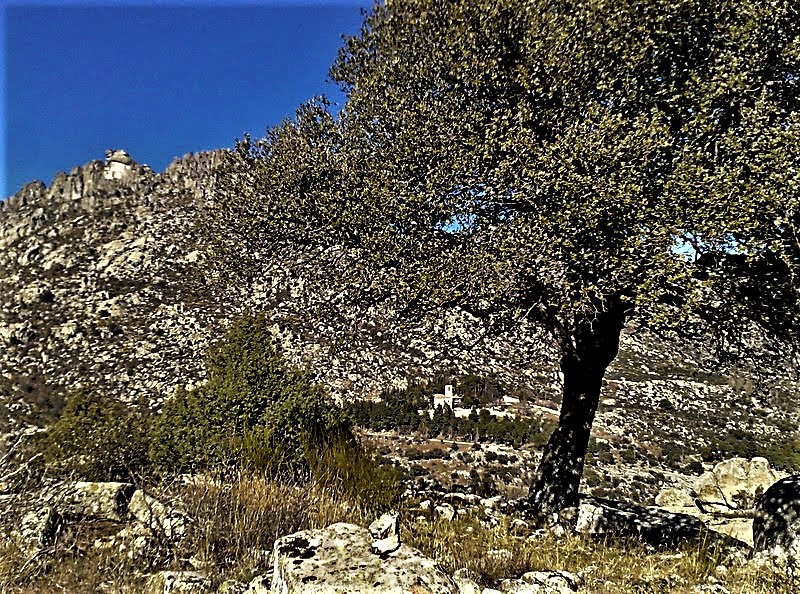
pixel 97 501
pixel 651 525
pixel 339 559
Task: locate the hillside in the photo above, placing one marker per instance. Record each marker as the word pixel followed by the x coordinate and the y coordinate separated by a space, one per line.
pixel 106 282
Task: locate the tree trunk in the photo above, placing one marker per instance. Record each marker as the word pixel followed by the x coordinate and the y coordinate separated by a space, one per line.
pixel 586 352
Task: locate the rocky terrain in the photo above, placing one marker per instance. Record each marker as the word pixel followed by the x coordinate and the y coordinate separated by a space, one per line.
pixel 107 282
pixel 123 521
pixel 88 268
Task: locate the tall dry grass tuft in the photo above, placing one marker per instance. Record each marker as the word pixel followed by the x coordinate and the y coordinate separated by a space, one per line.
pixel 80 568
pixel 493 554
pixel 238 520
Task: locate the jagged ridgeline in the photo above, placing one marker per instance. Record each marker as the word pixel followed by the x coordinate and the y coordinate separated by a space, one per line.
pixel 108 283
pixel 98 282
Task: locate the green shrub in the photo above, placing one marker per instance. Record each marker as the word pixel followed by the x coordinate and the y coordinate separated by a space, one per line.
pixel 359 475
pixel 187 436
pixel 97 438
pixel 293 432
pixel 252 411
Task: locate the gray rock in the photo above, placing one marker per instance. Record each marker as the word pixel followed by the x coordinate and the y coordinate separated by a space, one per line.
pixel 340 559
pixel 39 529
pixel 515 586
pixel 735 483
pixel 519 526
pixel 136 541
pixel 93 500
pixel 776 527
pixel 466 584
pixel 552 582
pixel 650 525
pixel 492 502
pixel 261 584
pixel 166 522
pixel 673 498
pixel 386 533
pixel 463 499
pixel 445 511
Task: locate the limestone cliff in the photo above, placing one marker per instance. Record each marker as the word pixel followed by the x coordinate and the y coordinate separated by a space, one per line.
pixel 106 283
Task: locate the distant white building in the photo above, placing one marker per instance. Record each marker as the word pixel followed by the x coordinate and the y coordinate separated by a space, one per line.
pixel 119 164
pixel 449 398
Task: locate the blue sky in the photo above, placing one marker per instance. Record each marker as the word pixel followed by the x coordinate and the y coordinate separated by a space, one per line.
pixel 156 79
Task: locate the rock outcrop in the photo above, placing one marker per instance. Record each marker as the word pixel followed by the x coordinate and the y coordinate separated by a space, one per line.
pixel 776 526
pixel 723 497
pixel 650 525
pixel 178 582
pixel 736 483
pixel 140 526
pixel 107 282
pixel 340 559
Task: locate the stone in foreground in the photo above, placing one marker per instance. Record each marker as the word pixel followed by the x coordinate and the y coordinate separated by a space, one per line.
pixel 339 559
pixel 178 582
pixel 95 500
pixel 386 533
pixel 651 525
pixel 735 483
pixel 776 526
pixel 541 582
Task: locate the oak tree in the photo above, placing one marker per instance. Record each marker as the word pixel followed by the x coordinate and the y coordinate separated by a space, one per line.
pixel 583 165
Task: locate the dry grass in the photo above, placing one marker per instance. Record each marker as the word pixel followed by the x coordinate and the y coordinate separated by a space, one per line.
pixel 236 522
pixel 76 570
pixel 606 567
pixel 235 525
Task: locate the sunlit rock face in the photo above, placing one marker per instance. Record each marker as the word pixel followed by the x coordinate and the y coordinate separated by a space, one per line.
pixel 340 558
pixel 95 286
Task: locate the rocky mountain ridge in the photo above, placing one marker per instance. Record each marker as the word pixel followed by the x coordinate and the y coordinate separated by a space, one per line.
pixel 108 283
pixel 86 271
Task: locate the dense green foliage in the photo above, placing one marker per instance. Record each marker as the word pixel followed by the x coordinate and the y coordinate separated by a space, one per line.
pixel 548 156
pixel 252 410
pixel 582 164
pixel 98 438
